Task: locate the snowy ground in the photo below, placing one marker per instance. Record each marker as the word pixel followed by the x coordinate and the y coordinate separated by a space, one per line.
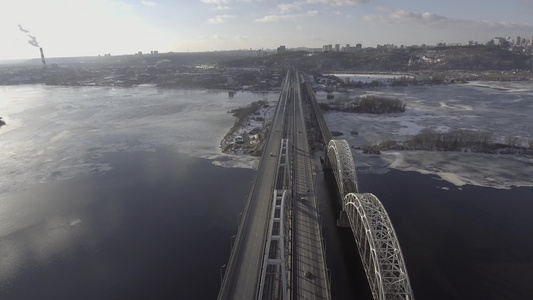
pixel 504 108
pixel 258 123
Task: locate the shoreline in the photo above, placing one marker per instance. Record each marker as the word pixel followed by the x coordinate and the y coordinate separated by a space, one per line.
pixel 458 168
pixel 250 130
pixel 499 170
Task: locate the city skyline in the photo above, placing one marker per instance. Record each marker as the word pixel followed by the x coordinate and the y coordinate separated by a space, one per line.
pixel 89 28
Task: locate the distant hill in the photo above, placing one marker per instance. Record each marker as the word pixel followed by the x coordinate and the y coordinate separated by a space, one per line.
pixel 476 58
pixel 132 60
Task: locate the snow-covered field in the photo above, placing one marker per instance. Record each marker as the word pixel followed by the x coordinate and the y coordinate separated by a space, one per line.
pixel 504 108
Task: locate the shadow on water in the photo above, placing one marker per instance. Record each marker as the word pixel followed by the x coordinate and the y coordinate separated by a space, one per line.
pixel 348 279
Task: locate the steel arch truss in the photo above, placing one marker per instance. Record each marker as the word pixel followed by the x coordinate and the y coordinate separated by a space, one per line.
pixel 378 247
pixel 340 156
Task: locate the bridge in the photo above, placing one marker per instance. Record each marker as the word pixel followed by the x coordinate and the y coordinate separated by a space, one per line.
pixel 278 251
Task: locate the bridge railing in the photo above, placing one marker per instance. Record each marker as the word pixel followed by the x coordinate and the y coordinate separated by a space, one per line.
pixel 324 129
pixel 274 277
pixel 225 291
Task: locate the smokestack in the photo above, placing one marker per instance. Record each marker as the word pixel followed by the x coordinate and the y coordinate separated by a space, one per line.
pixel 42 57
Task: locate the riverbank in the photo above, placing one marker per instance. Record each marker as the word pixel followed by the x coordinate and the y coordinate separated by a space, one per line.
pixel 250 130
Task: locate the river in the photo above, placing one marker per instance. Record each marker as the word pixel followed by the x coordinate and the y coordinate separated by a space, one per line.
pixel 122 193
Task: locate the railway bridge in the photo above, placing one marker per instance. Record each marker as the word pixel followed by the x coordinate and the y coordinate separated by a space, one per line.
pixel 278 251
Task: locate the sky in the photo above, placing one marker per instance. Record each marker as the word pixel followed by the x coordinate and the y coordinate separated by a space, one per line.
pixel 65 28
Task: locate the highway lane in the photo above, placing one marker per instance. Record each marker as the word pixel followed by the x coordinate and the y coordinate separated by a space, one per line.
pixel 243 269
pixel 310 278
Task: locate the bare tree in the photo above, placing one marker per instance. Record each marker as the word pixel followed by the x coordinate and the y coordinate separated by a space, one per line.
pixel 512 141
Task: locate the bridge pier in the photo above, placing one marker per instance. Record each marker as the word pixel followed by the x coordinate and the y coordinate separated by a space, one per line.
pixel 343 220
pixel 324 162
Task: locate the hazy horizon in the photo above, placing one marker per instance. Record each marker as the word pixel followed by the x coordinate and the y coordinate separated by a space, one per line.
pixel 77 28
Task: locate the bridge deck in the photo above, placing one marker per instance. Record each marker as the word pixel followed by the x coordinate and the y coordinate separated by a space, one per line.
pixel 308 278
pixel 242 275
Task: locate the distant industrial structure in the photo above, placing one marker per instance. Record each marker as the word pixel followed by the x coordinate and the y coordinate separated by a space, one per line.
pixel 42 57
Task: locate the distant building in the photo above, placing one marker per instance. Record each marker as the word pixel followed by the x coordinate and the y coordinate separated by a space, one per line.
pixel 327 48
pixel 349 48
pixel 154 52
pixel 337 47
pixel 282 49
pixel 499 41
pixel 386 46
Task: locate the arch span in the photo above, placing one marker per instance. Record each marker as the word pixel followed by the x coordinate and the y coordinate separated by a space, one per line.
pixel 340 157
pixel 378 247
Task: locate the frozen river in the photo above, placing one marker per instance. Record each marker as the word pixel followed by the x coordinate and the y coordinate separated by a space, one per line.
pixel 504 108
pixel 123 192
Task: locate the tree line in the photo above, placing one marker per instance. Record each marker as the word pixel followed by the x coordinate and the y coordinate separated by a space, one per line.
pixel 456 139
pixel 368 104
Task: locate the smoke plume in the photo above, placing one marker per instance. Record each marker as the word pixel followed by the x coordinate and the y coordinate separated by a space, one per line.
pixel 32 39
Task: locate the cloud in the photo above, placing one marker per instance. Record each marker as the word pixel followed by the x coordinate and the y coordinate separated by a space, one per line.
pixel 285 8
pixel 280 18
pixel 338 2
pixel 148 3
pixel 217 2
pixel 401 16
pixel 219 19
pixel 220 4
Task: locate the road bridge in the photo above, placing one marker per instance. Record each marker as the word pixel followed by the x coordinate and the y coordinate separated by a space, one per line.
pixel 278 251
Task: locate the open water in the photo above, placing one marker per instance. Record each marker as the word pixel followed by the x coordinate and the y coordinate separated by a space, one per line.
pixel 122 194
